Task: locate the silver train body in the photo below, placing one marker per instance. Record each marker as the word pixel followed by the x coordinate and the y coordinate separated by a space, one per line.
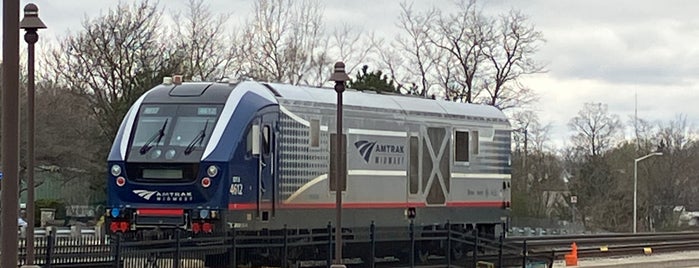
pixel 407 158
pixel 402 156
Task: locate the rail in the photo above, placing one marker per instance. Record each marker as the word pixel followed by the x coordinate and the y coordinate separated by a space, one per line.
pixel 554 248
pixel 313 248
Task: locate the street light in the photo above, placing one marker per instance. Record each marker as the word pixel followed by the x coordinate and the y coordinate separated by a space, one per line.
pixel 339 76
pixel 635 183
pixel 10 132
pixel 30 23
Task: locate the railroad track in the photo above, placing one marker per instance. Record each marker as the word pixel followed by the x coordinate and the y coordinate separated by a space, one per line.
pixel 551 248
pixel 542 249
pixel 606 245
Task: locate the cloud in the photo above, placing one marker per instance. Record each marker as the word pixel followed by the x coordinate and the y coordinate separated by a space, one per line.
pixel 626 55
pixel 620 42
pixel 596 50
pixel 561 99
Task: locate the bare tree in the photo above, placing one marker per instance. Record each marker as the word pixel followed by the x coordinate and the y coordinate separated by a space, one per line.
pixel 350 46
pixel 536 171
pixel 509 53
pixel 537 134
pixel 644 133
pixel 463 36
pixel 521 122
pixel 415 48
pixel 344 43
pixel 671 179
pixel 67 136
pixel 114 60
pixel 201 40
pixel 110 63
pixel 467 55
pixel 676 134
pixel 282 39
pixel 595 129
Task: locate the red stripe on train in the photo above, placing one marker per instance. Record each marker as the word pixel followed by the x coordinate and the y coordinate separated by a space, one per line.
pixel 476 204
pixel 248 206
pixel 159 212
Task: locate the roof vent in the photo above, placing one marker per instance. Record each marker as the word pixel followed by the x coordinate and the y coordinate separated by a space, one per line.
pixel 177 79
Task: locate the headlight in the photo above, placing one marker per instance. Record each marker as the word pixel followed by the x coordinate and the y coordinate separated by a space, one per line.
pixel 212 171
pixel 116 170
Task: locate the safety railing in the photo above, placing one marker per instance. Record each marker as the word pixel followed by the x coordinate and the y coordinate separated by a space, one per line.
pixel 445 244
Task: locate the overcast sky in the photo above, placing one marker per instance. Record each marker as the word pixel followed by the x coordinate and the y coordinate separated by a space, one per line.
pixel 595 51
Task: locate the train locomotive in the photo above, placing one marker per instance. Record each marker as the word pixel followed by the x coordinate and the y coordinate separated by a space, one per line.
pixel 210 156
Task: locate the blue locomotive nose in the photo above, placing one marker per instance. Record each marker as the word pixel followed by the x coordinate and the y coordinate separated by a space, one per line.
pixel 174 150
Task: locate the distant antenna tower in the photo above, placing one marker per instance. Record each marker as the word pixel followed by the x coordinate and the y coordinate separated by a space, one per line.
pixel 635 119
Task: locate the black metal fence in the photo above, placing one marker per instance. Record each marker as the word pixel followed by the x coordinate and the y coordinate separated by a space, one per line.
pixel 56 251
pixel 364 247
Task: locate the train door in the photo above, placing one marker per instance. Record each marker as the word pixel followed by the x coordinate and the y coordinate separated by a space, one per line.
pixel 436 170
pixel 266 203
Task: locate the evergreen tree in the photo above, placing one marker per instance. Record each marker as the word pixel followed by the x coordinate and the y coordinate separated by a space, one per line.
pixel 375 81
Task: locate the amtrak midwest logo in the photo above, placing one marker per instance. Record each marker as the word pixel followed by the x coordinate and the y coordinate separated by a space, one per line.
pixel 164 196
pixel 377 153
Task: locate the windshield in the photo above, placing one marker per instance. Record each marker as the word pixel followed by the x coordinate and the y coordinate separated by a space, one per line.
pixel 172 132
pixel 187 129
pixel 149 130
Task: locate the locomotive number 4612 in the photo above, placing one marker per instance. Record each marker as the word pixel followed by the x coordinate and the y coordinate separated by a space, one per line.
pixel 236 189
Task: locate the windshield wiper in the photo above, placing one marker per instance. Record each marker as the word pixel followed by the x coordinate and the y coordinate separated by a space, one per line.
pixel 156 137
pixel 199 138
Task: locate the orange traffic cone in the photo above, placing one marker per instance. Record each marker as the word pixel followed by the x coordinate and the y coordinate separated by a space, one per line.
pixel 572 258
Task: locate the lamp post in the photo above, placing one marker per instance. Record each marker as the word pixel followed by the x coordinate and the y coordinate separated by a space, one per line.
pixel 10 132
pixel 339 76
pixel 635 183
pixel 30 23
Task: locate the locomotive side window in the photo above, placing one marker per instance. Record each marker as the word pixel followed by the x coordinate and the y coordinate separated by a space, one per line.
pixel 474 137
pixel 314 133
pixel 254 137
pixel 461 146
pixel 413 166
pixel 248 142
pixel 267 143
